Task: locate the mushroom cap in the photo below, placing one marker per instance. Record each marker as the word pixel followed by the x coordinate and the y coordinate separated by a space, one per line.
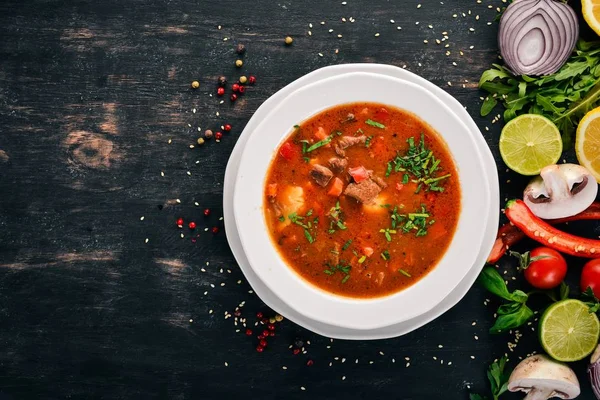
pixel 540 372
pixel 560 191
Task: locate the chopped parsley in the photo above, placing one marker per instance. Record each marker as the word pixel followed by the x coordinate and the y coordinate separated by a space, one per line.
pixel 420 163
pixel 347 244
pixel 281 218
pixel 368 141
pixel 417 222
pixel 296 126
pixel 306 223
pixel 362 259
pixel 388 233
pixel 320 143
pixel 342 268
pixel 385 255
pixel 335 213
pixel 375 124
pixel 403 272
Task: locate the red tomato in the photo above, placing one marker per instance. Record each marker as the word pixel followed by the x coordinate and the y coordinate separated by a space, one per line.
pixel 590 277
pixel 287 151
pixel 359 173
pixel 547 272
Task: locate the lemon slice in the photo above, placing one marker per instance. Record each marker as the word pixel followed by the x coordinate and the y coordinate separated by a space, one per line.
pixel 591 13
pixel 587 143
pixel 568 331
pixel 530 142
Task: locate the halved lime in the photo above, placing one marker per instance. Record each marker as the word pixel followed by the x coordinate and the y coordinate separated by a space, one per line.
pixel 568 331
pixel 530 142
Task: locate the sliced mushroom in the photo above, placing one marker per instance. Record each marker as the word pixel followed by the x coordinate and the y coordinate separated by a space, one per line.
pixel 560 191
pixel 542 378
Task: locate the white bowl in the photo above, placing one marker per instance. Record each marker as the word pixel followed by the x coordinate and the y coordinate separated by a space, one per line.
pixel 328 330
pixel 303 297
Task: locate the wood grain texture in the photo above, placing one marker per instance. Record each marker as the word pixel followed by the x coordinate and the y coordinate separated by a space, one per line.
pixel 90 94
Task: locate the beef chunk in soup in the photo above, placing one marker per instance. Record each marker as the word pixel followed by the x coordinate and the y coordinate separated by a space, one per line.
pixel 364 191
pixel 348 141
pixel 379 181
pixel 322 175
pixel 338 164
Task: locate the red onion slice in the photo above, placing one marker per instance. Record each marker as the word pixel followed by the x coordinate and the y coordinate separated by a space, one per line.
pixel 536 37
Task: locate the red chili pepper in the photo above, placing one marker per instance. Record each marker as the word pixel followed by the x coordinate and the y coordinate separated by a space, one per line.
pixel 521 216
pixel 509 235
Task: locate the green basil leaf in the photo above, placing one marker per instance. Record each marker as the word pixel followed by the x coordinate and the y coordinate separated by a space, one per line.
pixel 488 105
pixel 519 296
pixel 490 279
pixel 509 308
pixel 511 321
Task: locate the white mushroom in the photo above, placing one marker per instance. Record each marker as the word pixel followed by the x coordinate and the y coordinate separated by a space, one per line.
pixel 542 378
pixel 560 191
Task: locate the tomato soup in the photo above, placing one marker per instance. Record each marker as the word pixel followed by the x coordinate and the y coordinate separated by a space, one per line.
pixel 362 200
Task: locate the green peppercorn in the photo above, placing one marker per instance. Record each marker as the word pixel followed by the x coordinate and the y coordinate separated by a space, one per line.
pixel 289 40
pixel 243 79
pixel 239 63
pixel 200 141
pixel 195 85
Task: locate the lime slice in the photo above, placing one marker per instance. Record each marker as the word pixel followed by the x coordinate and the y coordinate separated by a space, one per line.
pixel 530 142
pixel 568 331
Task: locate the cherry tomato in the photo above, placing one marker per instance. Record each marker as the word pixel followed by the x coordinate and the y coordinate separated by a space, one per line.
pixel 547 272
pixel 590 277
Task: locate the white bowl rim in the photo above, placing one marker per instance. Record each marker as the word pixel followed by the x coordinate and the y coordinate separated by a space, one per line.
pixel 300 294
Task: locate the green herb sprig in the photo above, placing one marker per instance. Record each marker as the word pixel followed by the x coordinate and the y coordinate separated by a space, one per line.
pixel 342 268
pixel 498 378
pixel 337 222
pixel 512 314
pixel 564 97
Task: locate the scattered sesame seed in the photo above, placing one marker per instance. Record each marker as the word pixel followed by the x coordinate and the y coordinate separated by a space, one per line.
pixel 302 388
pixel 377 35
pixel 141 218
pixel 418 6
pixel 147 240
pixel 343 378
pixel 407 365
pixel 227 365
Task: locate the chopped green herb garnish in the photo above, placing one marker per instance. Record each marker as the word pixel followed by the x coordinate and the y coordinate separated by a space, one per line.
pixel 419 162
pixel 304 223
pixel 335 213
pixel 306 159
pixel 296 126
pixel 337 253
pixel 281 218
pixel 388 233
pixel 385 255
pixel 362 259
pixel 403 272
pixel 320 143
pixel 341 268
pixel 347 244
pixel 388 170
pixel 338 133
pixel 308 236
pixel 368 141
pixel 375 124
pixel 359 131
pixel 417 221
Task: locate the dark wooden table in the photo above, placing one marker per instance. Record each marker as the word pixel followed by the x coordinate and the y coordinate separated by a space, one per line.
pixel 100 297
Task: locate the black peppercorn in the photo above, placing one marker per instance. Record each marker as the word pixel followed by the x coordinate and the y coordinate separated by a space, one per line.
pixel 240 49
pixel 222 81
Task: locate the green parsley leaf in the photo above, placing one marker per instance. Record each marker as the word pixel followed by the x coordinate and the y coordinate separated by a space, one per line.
pixel 375 124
